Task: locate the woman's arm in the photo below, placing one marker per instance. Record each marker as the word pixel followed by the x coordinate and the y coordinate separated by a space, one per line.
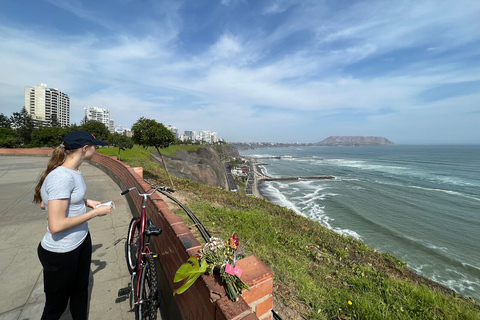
pixel 58 221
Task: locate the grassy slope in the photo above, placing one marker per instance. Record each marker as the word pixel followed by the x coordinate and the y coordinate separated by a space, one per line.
pixel 318 274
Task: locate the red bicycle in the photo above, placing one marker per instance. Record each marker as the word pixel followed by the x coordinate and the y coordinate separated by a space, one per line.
pixel 140 261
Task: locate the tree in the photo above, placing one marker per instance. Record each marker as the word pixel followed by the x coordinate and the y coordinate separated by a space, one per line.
pixel 120 141
pixel 4 121
pixel 150 133
pixel 47 136
pixel 22 123
pixel 8 138
pixel 98 129
pixel 84 120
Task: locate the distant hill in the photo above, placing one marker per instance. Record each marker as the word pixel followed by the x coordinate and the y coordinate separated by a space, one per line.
pixel 354 141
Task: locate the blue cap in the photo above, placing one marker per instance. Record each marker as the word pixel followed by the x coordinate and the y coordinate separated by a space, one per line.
pixel 78 138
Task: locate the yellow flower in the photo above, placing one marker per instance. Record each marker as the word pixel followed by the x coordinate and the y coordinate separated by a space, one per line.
pixel 350 302
pixel 375 250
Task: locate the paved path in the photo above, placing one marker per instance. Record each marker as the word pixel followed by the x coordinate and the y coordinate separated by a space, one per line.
pixel 23 224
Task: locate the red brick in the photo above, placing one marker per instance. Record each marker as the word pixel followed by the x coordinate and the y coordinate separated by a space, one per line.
pixel 229 310
pixel 138 170
pixel 254 270
pixel 180 228
pixel 214 284
pixel 267 316
pixel 264 307
pixel 172 219
pixel 258 291
pixel 188 241
pixel 22 151
pixel 251 316
pixel 194 250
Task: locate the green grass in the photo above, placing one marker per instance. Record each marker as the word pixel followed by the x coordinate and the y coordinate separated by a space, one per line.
pixel 133 154
pixel 173 149
pixel 316 271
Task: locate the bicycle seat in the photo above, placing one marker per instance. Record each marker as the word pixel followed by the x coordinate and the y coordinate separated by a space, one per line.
pixel 151 229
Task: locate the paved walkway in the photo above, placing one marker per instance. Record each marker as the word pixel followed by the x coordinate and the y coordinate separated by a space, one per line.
pixel 23 224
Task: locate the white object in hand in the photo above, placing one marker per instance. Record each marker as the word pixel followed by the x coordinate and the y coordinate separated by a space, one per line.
pixel 109 203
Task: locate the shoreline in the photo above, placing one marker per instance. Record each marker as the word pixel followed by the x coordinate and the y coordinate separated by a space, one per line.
pixel 257 173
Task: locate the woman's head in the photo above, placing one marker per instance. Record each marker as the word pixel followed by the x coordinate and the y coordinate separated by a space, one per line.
pixel 79 138
pixel 76 142
pixel 81 142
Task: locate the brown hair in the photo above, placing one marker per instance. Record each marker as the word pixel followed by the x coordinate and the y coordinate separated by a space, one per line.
pixel 58 157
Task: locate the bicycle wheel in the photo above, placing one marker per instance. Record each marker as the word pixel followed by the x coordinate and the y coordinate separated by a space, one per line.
pixel 131 245
pixel 149 302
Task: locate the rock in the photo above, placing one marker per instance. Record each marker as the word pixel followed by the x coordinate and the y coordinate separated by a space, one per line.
pixel 354 141
pixel 203 165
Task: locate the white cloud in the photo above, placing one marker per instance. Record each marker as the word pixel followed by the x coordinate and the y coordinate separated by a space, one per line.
pixel 299 67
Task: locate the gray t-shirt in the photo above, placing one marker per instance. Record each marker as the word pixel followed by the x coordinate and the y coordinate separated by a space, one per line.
pixel 64 183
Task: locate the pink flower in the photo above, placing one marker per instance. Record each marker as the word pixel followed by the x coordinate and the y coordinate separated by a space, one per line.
pixel 235 239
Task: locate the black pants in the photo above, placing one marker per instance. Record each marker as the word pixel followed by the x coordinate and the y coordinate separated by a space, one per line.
pixel 66 276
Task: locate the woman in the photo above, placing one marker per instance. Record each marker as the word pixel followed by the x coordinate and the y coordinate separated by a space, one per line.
pixel 66 249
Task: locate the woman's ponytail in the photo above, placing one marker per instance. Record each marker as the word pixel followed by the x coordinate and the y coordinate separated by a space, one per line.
pixel 58 157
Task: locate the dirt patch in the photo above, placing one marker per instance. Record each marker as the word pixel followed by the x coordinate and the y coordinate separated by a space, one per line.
pixel 286 307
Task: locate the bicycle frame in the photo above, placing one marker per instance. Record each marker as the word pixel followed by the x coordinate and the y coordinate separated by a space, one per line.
pixel 143 245
pixel 143 249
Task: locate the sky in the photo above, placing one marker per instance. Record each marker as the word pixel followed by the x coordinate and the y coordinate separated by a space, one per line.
pixel 251 70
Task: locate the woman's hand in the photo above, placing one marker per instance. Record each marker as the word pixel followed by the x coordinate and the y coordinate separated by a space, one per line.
pixel 102 210
pixel 92 203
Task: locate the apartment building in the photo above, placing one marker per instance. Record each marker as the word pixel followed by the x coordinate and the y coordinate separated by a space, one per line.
pixel 47 106
pixel 208 137
pixel 98 114
pixel 191 135
pixel 174 130
pixel 111 126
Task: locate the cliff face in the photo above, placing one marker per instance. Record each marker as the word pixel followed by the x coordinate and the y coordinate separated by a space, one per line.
pixel 355 141
pixel 203 165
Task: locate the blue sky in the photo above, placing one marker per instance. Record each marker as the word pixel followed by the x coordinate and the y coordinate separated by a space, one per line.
pixel 281 71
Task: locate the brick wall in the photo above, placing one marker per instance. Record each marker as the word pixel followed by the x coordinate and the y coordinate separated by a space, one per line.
pixel 206 299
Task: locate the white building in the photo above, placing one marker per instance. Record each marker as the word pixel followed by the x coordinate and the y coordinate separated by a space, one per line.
pixel 122 130
pixel 111 126
pixel 47 106
pixel 191 136
pixel 173 129
pixel 208 137
pixel 119 129
pixel 98 114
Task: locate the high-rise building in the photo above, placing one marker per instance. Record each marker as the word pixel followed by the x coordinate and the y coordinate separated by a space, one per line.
pixel 111 126
pixel 191 135
pixel 98 114
pixel 173 129
pixel 47 106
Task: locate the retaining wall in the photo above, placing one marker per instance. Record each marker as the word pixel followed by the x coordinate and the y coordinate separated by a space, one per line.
pixel 206 299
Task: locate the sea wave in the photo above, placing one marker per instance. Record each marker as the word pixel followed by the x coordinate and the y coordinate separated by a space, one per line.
pixel 310 208
pixel 451 192
pixel 398 171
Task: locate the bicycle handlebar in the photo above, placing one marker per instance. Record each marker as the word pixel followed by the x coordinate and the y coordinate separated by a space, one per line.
pixel 124 192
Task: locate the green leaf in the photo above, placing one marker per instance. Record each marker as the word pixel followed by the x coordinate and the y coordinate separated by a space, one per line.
pixel 192 270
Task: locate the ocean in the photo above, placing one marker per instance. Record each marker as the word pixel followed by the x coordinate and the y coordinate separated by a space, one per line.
pixel 418 203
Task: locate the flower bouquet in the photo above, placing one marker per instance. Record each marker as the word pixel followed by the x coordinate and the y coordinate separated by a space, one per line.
pixel 216 255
